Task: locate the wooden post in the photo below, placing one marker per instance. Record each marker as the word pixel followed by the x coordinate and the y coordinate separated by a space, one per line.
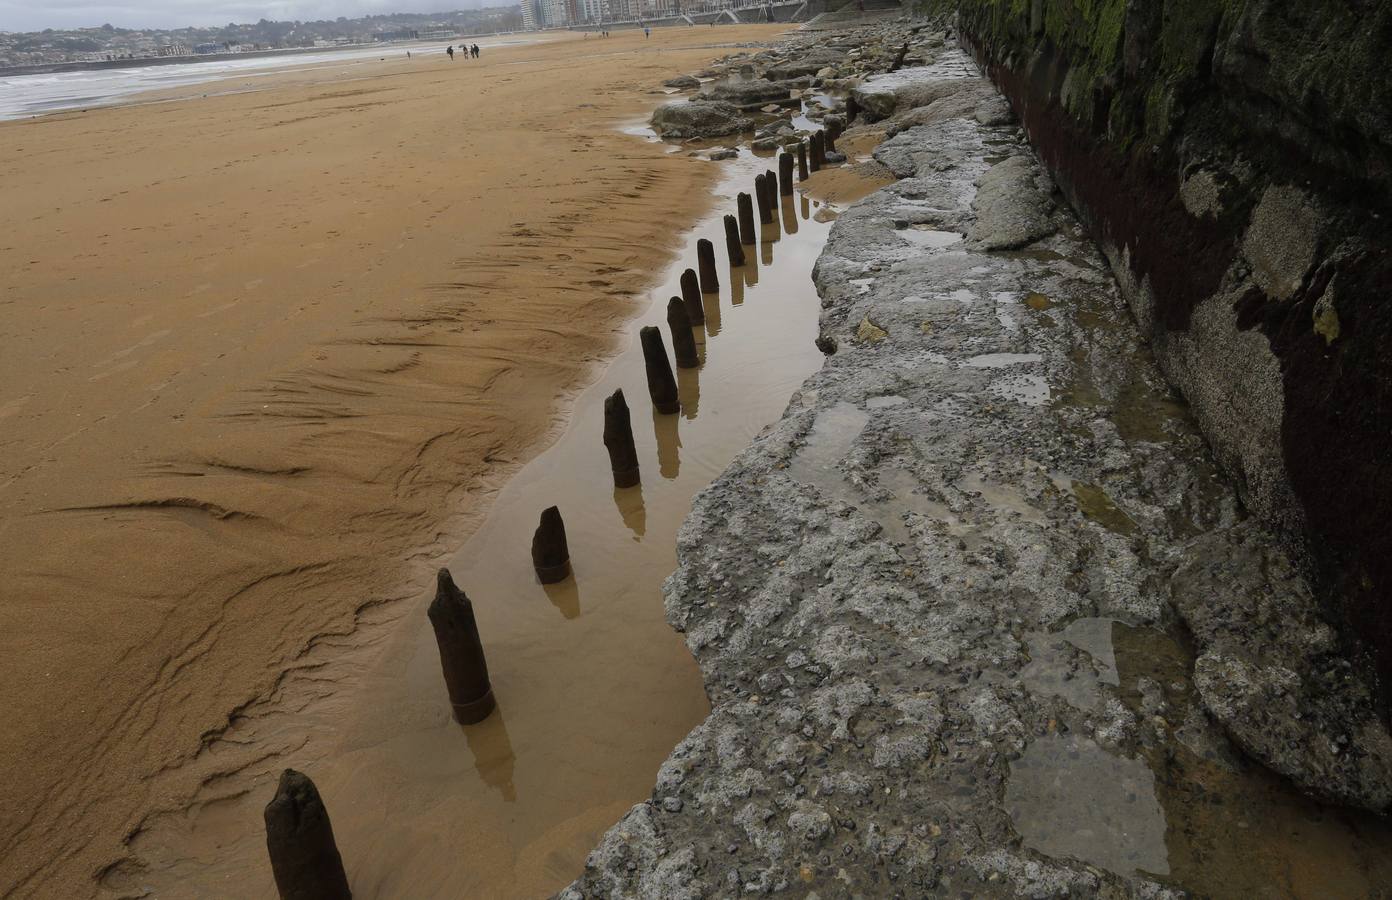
pixel 550 552
pixel 830 133
pixel 899 57
pixel 461 652
pixel 683 339
pixel 746 219
pixel 814 151
pixel 761 195
pixel 732 242
pixel 705 262
pixel 299 838
pixel 691 295
pixel 662 385
pixel 771 185
pixel 618 440
pixel 785 174
pixel 803 174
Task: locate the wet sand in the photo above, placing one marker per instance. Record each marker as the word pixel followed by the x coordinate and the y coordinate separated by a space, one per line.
pixel 594 688
pixel 269 356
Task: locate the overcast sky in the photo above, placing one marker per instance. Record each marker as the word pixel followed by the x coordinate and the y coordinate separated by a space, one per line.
pixel 26 15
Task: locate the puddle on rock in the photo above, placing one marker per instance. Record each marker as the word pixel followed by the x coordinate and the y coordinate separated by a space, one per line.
pixel 1098 506
pixel 1227 827
pixel 927 236
pixel 895 492
pixel 1069 797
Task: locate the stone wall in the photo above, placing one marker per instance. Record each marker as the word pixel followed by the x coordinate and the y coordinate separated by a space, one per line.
pixel 1234 160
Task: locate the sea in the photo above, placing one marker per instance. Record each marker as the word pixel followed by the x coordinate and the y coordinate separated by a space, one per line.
pixel 23 96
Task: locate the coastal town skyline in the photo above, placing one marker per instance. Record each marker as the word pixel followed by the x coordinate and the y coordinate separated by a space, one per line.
pixel 17 17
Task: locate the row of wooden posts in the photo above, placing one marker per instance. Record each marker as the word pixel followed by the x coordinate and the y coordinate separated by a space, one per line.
pixel 304 857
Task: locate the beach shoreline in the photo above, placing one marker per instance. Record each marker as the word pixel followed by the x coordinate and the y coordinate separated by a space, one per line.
pixel 278 411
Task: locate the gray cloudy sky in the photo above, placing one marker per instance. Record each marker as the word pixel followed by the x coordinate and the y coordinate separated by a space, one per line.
pixel 27 15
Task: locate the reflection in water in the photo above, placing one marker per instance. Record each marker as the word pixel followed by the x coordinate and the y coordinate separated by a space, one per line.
pixel 668 442
pixel 631 509
pixel 710 303
pixel 751 268
pixel 806 207
pixel 565 596
pixel 736 283
pixel 493 756
pixel 789 215
pixel 766 249
pixel 689 390
pixel 769 233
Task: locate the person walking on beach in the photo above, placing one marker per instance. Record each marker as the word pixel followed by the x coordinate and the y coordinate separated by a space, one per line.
pixel 476 51
pixel 450 51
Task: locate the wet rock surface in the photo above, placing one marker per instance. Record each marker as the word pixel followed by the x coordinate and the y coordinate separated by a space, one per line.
pixel 701 119
pixel 934 604
pixel 1274 674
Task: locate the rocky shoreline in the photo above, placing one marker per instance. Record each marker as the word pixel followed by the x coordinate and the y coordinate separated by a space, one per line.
pixel 980 616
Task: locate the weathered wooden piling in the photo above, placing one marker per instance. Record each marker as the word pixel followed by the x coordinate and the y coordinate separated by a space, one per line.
pixel 785 174
pixel 618 440
pixel 461 652
pixel 761 195
pixel 732 242
pixel 814 151
pixel 299 838
pixel 662 385
pixel 771 185
pixel 683 339
pixel 830 133
pixel 691 296
pixel 550 552
pixel 705 262
pixel 899 58
pixel 746 219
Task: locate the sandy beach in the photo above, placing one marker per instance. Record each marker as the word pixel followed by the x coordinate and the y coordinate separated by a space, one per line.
pixel 268 354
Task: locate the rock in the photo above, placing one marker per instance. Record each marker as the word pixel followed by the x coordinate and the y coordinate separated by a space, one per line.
pixel 684 82
pixel 703 119
pixel 748 94
pixel 764 143
pixel 869 332
pixel 1011 209
pixel 810 63
pixel 720 153
pixel 881 96
pixel 1264 655
pixel 967 99
pixel 1280 242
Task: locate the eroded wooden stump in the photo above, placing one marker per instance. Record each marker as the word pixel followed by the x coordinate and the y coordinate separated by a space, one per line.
pixel 461 652
pixel 299 838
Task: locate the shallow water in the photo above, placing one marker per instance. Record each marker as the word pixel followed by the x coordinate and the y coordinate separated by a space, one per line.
pixel 593 687
pixel 31 95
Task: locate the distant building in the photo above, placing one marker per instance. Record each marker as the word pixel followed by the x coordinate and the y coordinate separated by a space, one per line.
pixel 207 48
pixel 554 13
pixel 531 18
